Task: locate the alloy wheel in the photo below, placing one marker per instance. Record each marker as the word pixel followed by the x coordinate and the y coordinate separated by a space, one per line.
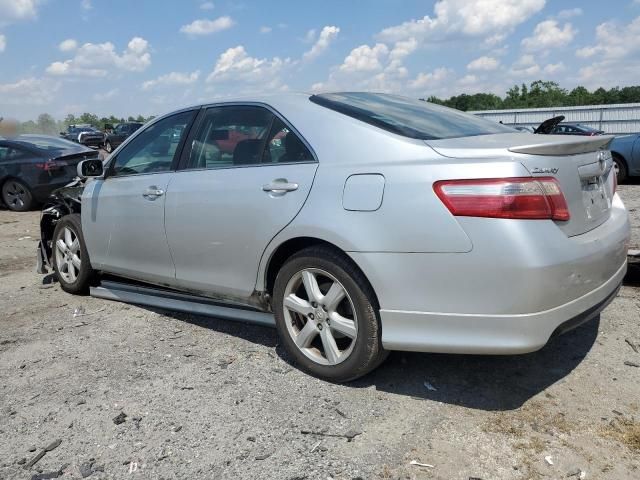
pixel 68 255
pixel 15 194
pixel 320 316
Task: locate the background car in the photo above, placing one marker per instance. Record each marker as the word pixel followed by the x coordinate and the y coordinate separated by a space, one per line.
pixel 575 129
pixel 32 166
pixel 85 135
pixel 118 135
pixel 625 149
pixel 626 155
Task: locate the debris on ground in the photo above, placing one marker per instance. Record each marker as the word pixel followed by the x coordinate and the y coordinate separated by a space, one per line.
pixel 633 346
pixel 52 446
pixel 549 459
pixel 420 464
pixel 120 418
pixel 632 364
pixel 80 312
pixel 578 473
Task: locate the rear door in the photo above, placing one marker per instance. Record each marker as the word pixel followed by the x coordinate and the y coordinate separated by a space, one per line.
pixel 123 215
pixel 244 177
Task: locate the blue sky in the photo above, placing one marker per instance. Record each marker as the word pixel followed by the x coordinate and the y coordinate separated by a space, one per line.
pixel 127 57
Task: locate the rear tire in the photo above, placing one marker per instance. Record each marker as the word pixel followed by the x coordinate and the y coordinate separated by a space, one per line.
pixel 17 196
pixel 621 169
pixel 69 256
pixel 334 331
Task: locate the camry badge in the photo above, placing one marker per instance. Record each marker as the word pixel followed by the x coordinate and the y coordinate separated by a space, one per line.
pixel 544 170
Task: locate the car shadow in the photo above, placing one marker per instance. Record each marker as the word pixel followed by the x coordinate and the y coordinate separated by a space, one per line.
pixel 483 382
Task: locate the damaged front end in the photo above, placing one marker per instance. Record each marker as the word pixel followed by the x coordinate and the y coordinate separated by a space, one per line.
pixel 61 202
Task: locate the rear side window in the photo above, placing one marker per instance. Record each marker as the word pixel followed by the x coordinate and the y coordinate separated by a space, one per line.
pixel 407 116
pixel 238 136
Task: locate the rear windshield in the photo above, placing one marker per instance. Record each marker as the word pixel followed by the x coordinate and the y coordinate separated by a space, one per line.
pixel 407 116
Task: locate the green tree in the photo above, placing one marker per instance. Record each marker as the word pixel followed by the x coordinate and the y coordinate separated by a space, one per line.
pixel 46 124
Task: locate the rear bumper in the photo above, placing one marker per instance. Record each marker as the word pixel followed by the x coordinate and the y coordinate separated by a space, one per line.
pixel 521 282
pixel 492 334
pixel 92 142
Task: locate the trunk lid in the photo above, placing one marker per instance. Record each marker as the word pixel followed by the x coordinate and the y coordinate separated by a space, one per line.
pixel 68 161
pixel 582 166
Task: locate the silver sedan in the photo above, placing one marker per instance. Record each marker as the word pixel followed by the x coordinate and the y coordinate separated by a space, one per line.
pixel 358 223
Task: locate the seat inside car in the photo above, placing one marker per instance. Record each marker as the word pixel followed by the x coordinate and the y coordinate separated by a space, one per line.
pixel 247 152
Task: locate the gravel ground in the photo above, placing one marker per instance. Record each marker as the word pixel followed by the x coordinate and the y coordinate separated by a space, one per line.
pixel 128 392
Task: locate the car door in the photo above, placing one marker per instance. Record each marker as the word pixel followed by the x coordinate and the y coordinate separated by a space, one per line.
pixel 244 177
pixel 123 215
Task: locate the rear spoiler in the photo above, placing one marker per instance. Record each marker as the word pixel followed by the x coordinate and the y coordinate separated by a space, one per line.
pixel 565 145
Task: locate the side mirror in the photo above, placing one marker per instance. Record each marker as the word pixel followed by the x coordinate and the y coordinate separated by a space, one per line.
pixel 90 168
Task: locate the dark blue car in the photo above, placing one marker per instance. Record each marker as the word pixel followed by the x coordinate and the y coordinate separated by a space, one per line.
pixel 32 166
pixel 626 155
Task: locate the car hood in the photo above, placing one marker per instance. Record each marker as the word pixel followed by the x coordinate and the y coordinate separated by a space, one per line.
pixel 548 125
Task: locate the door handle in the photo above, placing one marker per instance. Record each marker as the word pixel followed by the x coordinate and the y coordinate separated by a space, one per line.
pixel 280 186
pixel 152 193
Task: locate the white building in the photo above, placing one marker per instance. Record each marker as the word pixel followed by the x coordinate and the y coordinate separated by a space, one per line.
pixel 615 118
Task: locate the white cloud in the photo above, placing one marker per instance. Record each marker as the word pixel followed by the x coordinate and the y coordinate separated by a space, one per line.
pixel 265 29
pixel 553 68
pixel 13 10
pixel 549 34
pixel 365 58
pixel 327 35
pixel 28 91
pixel 614 56
pixel 3 43
pixel 467 17
pixel 237 67
pixel 483 63
pixel 108 95
pixel 172 78
pixel 569 13
pixel 204 26
pixel 524 67
pixel 614 41
pixel 95 60
pixel 68 45
pixel 310 36
pixel 207 6
pixel 431 79
pixel 86 5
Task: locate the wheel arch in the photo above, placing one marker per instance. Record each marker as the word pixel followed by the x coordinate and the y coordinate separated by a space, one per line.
pixel 615 153
pixel 290 247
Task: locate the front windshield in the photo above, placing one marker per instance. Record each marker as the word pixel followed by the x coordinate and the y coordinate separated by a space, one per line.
pixel 407 116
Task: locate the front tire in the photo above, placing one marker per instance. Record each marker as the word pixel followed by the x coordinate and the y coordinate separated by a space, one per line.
pixel 70 258
pixel 17 196
pixel 326 315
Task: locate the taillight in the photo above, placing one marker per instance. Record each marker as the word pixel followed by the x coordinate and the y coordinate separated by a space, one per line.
pixel 48 166
pixel 523 198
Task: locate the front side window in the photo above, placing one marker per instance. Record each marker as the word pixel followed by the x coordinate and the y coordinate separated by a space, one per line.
pixel 408 117
pixel 153 151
